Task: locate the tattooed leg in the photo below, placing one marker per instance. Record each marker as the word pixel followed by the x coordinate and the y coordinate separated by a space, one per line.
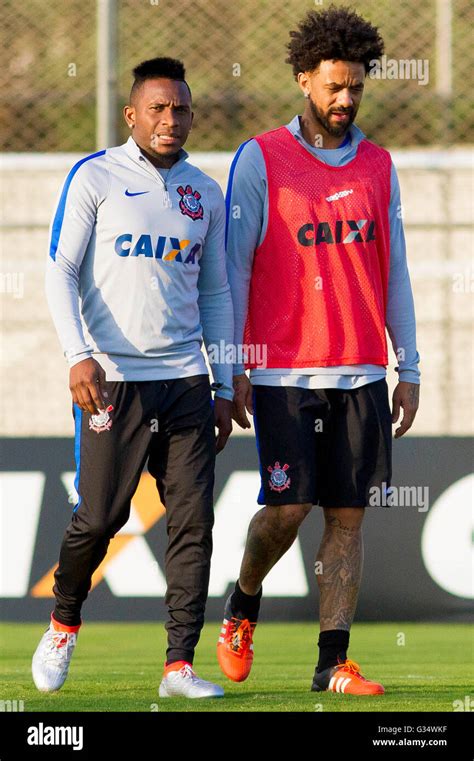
pixel 271 533
pixel 341 555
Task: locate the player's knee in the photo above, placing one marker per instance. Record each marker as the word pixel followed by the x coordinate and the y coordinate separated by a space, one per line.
pixel 290 517
pixel 100 530
pixel 348 517
pixel 103 527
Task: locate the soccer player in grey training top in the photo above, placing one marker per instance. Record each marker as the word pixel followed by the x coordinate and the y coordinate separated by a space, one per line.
pixel 136 281
pixel 318 271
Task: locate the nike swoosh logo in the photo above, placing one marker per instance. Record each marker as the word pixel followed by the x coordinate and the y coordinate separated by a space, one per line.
pixel 141 193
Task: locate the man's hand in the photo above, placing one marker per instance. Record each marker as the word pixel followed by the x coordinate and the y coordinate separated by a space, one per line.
pixel 86 383
pixel 406 395
pixel 223 421
pixel 242 400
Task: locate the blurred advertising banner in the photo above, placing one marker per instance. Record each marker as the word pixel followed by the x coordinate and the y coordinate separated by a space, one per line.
pixel 418 538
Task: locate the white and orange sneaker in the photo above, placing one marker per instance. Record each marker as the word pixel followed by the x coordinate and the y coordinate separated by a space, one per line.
pixel 53 655
pixel 345 678
pixel 180 681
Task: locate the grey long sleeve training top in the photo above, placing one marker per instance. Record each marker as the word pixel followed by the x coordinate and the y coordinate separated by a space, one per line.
pixel 136 274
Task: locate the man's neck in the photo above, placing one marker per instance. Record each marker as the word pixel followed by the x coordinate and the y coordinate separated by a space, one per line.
pixel 160 162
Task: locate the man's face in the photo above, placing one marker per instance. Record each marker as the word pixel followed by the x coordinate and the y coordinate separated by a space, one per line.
pixel 336 90
pixel 161 116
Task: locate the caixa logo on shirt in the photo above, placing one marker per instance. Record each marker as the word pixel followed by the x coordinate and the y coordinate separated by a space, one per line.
pixel 164 248
pixel 341 231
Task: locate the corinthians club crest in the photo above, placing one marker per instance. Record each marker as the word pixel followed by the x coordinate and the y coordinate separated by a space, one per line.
pixel 279 481
pixel 190 204
pixel 102 421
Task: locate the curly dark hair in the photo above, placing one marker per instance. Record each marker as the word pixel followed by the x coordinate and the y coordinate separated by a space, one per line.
pixel 334 34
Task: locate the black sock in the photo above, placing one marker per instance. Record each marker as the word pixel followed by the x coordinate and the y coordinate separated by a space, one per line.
pixel 333 645
pixel 245 606
pixel 75 620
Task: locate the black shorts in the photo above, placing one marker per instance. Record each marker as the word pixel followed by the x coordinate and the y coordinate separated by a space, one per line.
pixel 325 447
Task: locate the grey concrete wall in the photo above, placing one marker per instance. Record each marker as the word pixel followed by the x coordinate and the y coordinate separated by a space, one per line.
pixel 437 208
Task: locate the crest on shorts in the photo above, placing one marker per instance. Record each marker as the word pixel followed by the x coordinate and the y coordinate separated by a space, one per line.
pixel 190 204
pixel 279 481
pixel 102 421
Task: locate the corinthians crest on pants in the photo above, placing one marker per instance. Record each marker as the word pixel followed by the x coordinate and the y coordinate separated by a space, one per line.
pixel 279 481
pixel 102 421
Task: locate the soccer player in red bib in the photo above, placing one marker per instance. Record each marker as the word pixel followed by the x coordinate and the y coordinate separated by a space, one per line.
pixel 318 271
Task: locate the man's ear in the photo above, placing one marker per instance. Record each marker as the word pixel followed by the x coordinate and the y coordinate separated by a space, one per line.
pixel 304 83
pixel 129 116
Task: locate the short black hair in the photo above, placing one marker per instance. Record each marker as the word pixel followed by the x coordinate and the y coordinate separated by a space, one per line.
pixel 154 68
pixel 334 34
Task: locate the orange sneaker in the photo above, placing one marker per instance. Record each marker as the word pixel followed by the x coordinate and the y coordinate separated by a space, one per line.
pixel 346 678
pixel 235 646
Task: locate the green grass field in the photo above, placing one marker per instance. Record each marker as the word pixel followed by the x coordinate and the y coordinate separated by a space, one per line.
pixel 117 667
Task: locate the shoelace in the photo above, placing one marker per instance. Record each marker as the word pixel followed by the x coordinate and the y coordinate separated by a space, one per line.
pixel 241 634
pixel 187 672
pixel 58 647
pixel 352 667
